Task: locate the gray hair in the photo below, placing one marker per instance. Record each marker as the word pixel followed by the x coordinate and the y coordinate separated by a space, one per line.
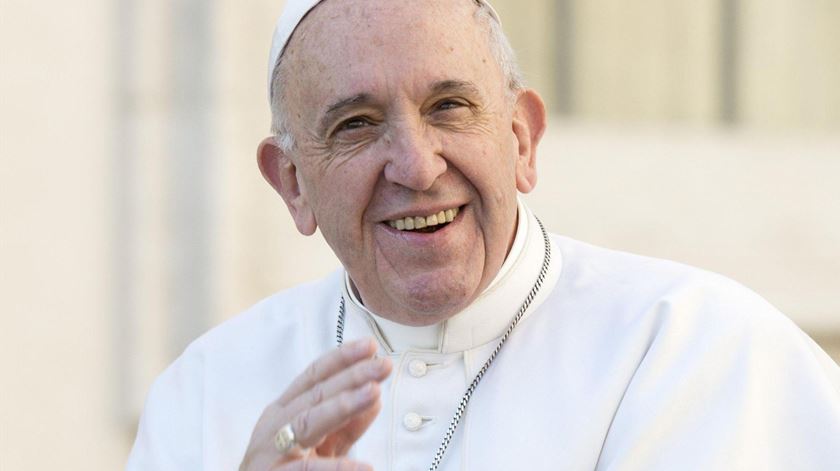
pixel 500 47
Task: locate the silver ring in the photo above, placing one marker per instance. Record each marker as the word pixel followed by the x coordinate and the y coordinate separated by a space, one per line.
pixel 284 439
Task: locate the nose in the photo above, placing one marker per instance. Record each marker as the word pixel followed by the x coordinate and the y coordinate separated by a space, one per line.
pixel 414 158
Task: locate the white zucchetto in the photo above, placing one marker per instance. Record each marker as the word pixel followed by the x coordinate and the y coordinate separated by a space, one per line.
pixel 293 13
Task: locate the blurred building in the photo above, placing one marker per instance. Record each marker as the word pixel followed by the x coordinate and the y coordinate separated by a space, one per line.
pixel 133 217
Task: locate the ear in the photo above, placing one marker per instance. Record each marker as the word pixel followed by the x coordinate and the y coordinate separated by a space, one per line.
pixel 529 123
pixel 281 173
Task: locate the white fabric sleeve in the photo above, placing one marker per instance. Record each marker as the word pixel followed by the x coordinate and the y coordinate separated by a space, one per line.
pixel 169 436
pixel 727 383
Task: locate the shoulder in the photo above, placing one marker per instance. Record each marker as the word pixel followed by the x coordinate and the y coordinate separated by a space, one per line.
pixel 297 309
pixel 656 287
pixel 662 308
pixel 695 362
pixel 592 264
pixel 699 358
pixel 297 325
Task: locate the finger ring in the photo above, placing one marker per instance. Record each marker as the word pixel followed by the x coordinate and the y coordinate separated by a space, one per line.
pixel 284 439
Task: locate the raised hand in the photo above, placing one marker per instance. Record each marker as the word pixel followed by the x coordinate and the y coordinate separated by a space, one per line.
pixel 329 406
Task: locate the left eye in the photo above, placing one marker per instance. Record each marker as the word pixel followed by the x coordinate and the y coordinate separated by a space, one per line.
pixel 449 104
pixel 353 123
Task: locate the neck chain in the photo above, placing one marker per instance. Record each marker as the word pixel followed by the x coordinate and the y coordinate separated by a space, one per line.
pixel 465 399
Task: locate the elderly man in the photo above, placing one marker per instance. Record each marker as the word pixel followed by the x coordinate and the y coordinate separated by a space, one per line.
pixel 471 338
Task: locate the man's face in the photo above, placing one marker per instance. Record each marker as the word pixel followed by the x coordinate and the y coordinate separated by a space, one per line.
pixel 399 109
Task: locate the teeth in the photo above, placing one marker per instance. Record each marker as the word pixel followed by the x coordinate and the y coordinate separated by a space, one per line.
pixel 419 222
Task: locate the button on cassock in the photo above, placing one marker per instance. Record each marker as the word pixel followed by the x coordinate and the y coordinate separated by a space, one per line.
pixel 417 368
pixel 412 422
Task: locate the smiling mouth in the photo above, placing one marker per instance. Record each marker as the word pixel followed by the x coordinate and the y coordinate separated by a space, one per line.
pixel 430 223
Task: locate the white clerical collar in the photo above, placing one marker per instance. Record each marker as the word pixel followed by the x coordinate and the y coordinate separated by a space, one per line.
pixel 489 315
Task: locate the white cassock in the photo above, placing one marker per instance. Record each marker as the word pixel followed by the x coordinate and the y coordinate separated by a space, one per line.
pixel 621 363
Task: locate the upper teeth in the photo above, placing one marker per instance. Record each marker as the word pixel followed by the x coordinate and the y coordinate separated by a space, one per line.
pixel 419 222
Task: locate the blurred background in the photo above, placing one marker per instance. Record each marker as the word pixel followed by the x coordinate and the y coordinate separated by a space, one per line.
pixel 133 216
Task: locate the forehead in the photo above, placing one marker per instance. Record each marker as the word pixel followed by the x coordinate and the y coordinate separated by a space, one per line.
pixel 358 46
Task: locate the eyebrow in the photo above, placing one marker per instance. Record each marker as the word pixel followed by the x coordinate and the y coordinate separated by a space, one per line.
pixel 339 106
pixel 461 87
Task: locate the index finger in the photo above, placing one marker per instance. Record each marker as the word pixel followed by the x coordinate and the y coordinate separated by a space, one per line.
pixel 328 365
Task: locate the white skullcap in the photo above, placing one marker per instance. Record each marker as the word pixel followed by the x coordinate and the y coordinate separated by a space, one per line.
pixel 293 13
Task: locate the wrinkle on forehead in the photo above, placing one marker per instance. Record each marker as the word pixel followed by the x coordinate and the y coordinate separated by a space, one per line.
pixel 340 21
pixel 381 31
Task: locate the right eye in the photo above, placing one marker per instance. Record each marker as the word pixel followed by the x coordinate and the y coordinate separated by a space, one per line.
pixel 356 122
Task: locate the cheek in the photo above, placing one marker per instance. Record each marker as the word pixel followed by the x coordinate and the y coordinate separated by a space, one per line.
pixel 343 194
pixel 492 171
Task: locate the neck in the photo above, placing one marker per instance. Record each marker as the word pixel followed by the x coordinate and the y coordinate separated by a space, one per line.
pixel 484 319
